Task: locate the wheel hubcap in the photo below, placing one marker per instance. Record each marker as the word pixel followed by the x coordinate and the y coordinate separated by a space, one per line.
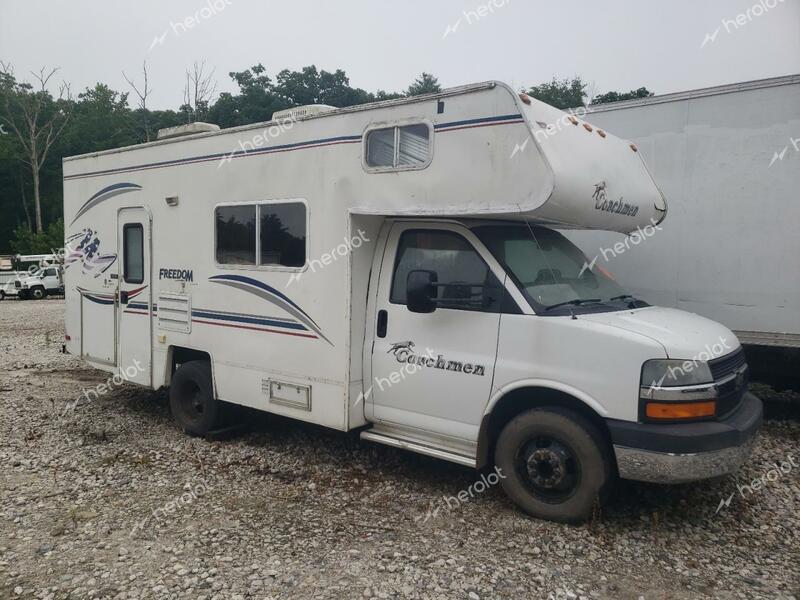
pixel 192 402
pixel 548 468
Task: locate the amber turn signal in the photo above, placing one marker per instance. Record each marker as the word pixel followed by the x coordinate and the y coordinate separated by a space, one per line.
pixel 681 410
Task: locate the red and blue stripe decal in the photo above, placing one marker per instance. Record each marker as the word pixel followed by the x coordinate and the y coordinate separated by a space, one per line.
pixel 330 141
pixel 300 326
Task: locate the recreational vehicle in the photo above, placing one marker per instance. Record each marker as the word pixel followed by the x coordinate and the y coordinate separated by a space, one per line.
pixel 394 268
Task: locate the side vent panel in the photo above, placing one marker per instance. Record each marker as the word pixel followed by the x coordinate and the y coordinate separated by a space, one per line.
pixel 175 312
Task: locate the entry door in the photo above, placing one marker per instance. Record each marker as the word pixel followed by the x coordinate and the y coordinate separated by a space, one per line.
pixel 434 371
pixel 134 296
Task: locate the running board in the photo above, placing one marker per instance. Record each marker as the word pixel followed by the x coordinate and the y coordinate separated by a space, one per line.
pixel 418 448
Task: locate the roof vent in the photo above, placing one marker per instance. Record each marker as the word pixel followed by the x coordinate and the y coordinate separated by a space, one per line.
pixel 301 112
pixel 190 129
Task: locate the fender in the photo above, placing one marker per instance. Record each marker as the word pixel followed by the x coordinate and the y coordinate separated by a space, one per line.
pixel 549 384
pixel 483 447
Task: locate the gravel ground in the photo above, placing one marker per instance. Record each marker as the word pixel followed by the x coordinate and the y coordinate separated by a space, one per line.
pixel 107 499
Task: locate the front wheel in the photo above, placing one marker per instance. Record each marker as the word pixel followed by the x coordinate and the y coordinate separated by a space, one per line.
pixel 555 464
pixel 191 398
pixel 38 293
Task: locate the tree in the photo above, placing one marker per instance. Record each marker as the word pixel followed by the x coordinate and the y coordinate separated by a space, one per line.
pixel 255 102
pixel 101 119
pixel 142 94
pixel 197 93
pixel 424 84
pixel 309 86
pixel 563 94
pixel 36 119
pixel 608 97
pixel 26 241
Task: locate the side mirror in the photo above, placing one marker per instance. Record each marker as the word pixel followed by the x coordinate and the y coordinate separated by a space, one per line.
pixel 421 291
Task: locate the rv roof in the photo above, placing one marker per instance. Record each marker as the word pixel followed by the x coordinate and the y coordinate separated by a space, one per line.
pixel 456 91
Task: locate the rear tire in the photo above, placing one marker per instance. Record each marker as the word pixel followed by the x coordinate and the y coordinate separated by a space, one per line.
pixel 555 464
pixel 2 295
pixel 191 398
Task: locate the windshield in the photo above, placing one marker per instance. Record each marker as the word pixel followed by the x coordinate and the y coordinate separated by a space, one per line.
pixel 551 271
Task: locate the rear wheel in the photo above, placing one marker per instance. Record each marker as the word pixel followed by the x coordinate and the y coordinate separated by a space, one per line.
pixel 191 398
pixel 555 464
pixel 2 295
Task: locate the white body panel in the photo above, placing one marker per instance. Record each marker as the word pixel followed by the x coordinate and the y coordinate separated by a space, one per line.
pixel 729 160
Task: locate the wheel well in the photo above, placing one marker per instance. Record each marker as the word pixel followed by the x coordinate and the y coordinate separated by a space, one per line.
pixel 179 355
pixel 520 400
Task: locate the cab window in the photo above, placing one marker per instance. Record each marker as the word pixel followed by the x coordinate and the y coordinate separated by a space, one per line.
pixel 465 281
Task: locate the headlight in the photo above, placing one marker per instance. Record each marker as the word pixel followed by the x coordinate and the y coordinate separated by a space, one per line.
pixel 671 373
pixel 677 390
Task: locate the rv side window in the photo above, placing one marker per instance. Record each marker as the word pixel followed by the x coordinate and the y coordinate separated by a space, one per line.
pixel 133 249
pixel 396 148
pixel 283 234
pixel 236 235
pixel 466 283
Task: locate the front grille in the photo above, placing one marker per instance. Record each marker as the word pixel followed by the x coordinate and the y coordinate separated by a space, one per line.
pixel 725 365
pixel 17 284
pixel 731 392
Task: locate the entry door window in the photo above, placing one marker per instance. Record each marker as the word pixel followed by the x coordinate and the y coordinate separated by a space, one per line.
pixel 133 249
pixel 465 281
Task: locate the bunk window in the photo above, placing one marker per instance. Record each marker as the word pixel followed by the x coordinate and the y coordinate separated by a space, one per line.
pixel 133 253
pixel 283 234
pixel 236 235
pixel 398 148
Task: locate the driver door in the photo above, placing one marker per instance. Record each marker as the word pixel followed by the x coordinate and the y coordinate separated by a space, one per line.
pixel 433 371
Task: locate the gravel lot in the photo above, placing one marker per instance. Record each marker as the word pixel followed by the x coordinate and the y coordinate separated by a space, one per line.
pixel 107 499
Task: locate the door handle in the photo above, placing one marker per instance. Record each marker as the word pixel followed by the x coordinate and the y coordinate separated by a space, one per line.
pixel 383 320
pixel 123 297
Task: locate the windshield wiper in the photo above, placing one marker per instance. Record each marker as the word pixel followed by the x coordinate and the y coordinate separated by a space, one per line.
pixel 576 302
pixel 632 300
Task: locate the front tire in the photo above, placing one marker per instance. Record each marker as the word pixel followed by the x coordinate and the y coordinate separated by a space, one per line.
pixel 555 464
pixel 38 293
pixel 191 398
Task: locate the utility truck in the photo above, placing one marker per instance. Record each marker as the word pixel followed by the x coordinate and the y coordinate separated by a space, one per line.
pixel 394 268
pixel 43 282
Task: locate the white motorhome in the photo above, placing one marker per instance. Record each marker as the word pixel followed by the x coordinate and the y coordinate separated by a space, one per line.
pixel 393 268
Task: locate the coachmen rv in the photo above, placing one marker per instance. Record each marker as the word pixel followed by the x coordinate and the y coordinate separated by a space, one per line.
pixel 394 268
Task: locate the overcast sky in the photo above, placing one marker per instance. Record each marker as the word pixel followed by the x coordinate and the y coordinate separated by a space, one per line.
pixel 612 44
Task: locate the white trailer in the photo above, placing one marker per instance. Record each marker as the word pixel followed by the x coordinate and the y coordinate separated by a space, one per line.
pixel 392 268
pixel 728 158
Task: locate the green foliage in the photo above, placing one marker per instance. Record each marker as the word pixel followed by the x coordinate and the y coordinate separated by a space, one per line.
pixel 424 84
pixel 561 93
pixel 26 241
pixel 642 92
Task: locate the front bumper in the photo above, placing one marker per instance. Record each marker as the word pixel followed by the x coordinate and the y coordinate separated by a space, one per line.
pixel 678 453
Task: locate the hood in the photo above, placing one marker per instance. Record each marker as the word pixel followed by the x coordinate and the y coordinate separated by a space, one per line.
pixel 684 335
